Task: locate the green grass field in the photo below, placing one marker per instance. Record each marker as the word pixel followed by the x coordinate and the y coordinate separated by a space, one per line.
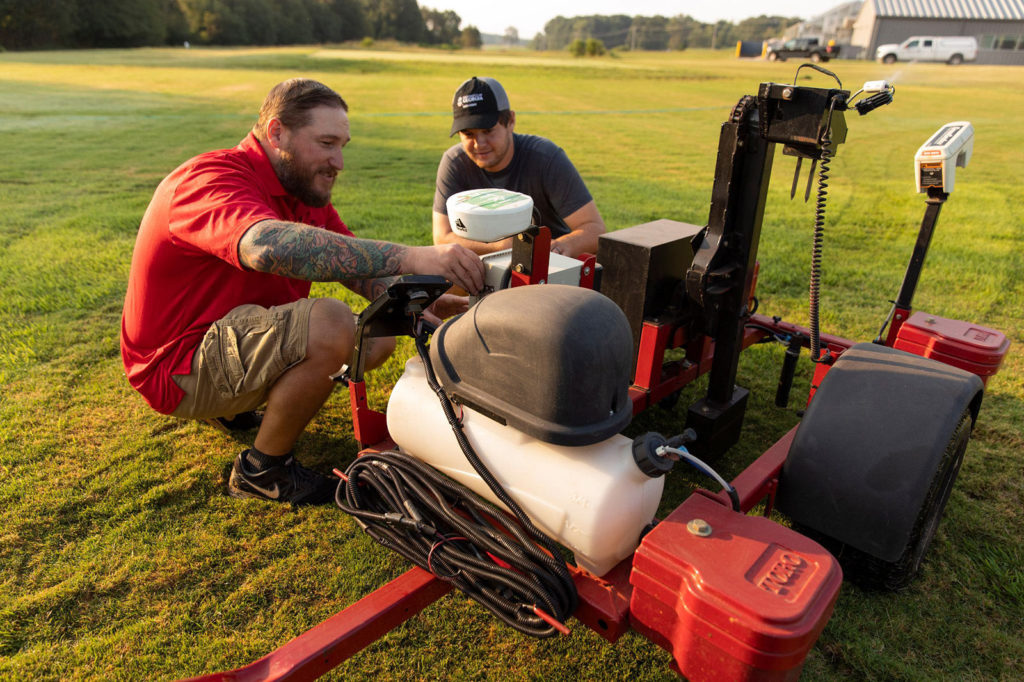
pixel 121 557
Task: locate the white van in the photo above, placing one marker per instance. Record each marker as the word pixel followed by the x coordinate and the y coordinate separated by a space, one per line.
pixel 950 49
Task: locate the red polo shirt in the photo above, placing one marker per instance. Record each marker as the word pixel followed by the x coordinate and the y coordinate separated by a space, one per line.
pixel 185 271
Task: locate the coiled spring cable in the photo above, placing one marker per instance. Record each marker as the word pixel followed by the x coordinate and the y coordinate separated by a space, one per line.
pixel 814 289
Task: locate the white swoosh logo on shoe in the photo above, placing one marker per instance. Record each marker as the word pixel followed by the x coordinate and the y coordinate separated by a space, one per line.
pixel 272 493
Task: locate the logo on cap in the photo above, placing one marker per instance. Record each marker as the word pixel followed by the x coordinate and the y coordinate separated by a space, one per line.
pixel 470 100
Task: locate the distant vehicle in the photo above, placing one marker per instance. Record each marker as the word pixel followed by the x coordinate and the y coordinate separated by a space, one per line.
pixel 806 48
pixel 949 49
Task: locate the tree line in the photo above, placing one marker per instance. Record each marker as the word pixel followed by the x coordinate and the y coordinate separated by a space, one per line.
pixel 36 24
pixel 41 24
pixel 653 33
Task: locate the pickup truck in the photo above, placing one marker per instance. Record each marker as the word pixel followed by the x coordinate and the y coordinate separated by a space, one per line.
pixel 949 49
pixel 806 48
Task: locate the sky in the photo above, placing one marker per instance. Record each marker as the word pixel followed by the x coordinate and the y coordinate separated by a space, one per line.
pixel 529 16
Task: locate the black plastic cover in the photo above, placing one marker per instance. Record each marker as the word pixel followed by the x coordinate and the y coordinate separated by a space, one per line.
pixel 553 361
pixel 643 267
pixel 869 445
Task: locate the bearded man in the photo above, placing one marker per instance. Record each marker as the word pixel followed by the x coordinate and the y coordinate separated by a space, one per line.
pixel 217 318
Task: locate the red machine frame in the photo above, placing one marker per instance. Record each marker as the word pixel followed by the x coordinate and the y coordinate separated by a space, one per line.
pixel 604 601
pixel 606 604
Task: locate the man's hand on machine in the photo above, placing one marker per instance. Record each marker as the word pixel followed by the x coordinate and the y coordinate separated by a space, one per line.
pixel 452 261
pixel 444 307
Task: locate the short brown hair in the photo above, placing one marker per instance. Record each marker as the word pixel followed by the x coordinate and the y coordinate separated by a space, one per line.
pixel 290 102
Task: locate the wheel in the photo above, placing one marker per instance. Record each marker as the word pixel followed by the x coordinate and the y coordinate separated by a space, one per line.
pixel 889 59
pixel 873 461
pixel 956 59
pixel 873 573
pixel 773 57
pixel 816 57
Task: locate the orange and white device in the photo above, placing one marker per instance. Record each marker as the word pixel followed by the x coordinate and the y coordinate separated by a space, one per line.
pixel 936 161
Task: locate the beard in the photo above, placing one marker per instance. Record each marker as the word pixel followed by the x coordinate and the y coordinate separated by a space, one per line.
pixel 298 181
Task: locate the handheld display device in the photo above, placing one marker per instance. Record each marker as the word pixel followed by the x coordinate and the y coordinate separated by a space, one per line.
pixel 936 161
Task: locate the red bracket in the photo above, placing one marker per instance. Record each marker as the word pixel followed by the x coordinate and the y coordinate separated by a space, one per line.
pixel 653 343
pixel 539 245
pixel 368 425
pixel 588 270
pixel 604 601
pixel 655 379
pixel 822 368
pixel 899 316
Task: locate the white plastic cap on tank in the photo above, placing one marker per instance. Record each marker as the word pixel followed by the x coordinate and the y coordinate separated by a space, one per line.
pixel 488 215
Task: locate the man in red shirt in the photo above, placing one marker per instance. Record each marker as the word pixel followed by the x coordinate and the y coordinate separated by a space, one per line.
pixel 217 319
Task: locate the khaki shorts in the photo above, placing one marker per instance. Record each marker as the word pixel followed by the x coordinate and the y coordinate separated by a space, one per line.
pixel 241 357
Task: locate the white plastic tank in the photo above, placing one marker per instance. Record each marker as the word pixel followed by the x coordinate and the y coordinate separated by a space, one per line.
pixel 592 499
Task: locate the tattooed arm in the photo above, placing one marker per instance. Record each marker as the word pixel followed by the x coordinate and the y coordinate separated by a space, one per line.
pixel 370 289
pixel 303 252
pixel 311 253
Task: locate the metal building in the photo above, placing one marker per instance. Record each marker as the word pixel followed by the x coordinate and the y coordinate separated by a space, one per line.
pixel 997 24
pixel 833 24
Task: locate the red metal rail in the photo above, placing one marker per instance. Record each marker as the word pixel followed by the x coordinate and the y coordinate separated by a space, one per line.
pixel 327 645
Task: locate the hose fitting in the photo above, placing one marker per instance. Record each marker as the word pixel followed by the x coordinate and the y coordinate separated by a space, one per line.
pixel 647 456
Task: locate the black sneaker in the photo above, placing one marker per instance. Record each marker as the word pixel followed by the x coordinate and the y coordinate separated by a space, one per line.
pixel 290 482
pixel 244 421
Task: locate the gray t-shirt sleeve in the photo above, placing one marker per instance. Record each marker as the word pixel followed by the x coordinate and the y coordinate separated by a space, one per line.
pixel 564 186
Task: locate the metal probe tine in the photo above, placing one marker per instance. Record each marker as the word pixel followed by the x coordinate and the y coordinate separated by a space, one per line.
pixel 796 177
pixel 810 180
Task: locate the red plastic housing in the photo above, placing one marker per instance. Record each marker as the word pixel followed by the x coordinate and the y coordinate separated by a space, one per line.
pixel 746 602
pixel 979 350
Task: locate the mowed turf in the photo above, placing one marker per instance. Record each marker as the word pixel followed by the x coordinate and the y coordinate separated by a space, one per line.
pixel 121 557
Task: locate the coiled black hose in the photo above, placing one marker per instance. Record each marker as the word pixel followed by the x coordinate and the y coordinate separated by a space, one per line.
pixel 446 529
pixel 555 562
pixel 442 527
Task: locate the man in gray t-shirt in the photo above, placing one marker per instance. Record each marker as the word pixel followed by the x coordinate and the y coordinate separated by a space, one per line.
pixel 491 154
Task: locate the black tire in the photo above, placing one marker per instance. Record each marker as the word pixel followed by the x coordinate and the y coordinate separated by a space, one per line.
pixel 889 59
pixel 773 57
pixel 873 573
pixel 816 57
pixel 872 463
pixel 956 59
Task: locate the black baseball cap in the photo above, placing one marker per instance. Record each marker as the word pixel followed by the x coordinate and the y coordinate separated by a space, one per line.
pixel 477 103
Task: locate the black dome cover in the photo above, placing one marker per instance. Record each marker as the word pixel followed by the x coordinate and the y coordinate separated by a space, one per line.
pixel 553 361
